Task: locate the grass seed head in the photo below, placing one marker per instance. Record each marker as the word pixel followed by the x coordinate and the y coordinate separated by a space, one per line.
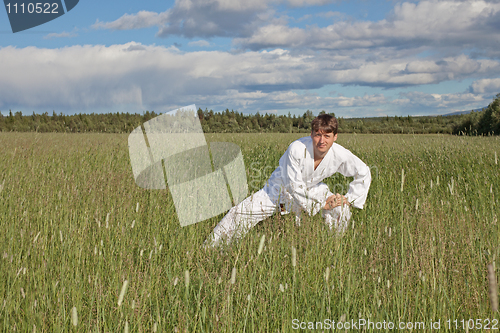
pixel 122 292
pixel 294 256
pixel 327 274
pixel 137 208
pixel 126 330
pixel 186 278
pixel 233 276
pixel 402 179
pixel 74 316
pixel 261 244
pixel 282 289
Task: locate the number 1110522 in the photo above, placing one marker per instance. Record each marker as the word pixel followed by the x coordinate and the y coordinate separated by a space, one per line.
pixel 472 324
pixel 31 8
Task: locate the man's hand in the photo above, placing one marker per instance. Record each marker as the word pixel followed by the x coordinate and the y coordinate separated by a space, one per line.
pixel 335 201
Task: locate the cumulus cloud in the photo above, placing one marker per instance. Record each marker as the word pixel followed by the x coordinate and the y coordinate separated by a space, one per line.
pixel 198 18
pixel 207 18
pixel 445 102
pixel 447 27
pixel 440 24
pixel 143 19
pixel 485 86
pixel 160 78
pixel 60 35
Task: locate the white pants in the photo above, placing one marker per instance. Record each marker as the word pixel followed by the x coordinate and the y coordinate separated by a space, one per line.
pixel 242 217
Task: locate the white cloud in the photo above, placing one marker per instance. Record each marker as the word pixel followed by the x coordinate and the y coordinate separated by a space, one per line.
pixel 159 78
pixel 444 102
pixel 197 18
pixel 207 18
pixel 485 86
pixel 440 24
pixel 142 19
pixel 60 35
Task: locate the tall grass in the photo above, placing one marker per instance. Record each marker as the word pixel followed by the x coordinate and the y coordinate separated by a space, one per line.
pixel 82 244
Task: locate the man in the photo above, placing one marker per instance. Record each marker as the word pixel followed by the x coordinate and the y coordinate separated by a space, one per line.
pixel 296 185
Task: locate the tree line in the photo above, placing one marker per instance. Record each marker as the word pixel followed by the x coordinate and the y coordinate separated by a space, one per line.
pixel 485 122
pixel 476 123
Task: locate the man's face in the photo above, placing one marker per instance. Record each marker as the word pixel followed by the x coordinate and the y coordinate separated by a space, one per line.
pixel 322 141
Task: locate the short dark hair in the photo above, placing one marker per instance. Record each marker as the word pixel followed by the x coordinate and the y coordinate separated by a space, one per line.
pixel 325 123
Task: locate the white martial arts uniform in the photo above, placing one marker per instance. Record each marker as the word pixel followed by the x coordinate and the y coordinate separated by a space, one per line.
pixel 297 186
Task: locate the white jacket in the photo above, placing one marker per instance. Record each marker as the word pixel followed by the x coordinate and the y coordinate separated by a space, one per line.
pixel 296 175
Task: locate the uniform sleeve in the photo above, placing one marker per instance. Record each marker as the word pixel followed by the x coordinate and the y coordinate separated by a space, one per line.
pixel 293 181
pixel 352 166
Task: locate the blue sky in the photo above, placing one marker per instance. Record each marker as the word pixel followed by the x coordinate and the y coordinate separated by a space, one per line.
pixel 355 58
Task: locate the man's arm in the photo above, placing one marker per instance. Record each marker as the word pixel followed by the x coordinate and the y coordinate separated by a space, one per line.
pixel 352 166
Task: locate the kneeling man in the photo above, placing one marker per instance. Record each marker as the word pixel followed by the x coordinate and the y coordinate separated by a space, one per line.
pixel 296 185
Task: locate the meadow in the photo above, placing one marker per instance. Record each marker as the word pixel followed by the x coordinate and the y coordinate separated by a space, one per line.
pixel 83 249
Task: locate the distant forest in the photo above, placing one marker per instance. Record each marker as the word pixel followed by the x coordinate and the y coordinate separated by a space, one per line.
pixel 485 122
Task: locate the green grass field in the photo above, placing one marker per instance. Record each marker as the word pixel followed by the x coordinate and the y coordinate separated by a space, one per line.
pixel 74 227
